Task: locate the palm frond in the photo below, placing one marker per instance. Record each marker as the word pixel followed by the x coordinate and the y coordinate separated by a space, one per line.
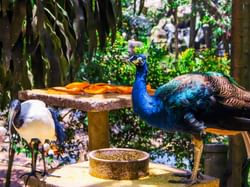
pixel 50 39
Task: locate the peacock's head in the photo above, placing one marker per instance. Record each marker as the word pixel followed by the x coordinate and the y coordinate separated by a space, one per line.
pixel 138 60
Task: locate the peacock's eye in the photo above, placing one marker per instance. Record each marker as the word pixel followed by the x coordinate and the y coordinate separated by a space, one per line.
pixel 140 61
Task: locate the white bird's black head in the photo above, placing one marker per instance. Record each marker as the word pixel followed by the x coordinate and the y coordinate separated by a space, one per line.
pixel 14 111
pixel 138 60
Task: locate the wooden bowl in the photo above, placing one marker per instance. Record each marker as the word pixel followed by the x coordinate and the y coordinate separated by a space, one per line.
pixel 118 163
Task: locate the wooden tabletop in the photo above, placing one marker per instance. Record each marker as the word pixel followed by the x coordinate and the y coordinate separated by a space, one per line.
pixel 86 102
pixel 77 175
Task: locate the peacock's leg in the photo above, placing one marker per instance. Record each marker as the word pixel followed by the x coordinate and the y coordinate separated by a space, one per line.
pixel 196 126
pixel 198 149
pixel 192 178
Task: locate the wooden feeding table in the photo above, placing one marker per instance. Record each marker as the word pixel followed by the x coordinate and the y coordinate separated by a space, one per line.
pixel 77 175
pixel 97 107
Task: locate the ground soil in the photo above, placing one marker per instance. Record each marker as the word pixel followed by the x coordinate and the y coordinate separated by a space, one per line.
pixel 20 166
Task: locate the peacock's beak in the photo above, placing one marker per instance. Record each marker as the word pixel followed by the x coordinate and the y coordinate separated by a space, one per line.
pixel 130 59
pixel 133 60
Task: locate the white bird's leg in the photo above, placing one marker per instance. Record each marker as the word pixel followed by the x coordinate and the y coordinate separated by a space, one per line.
pixel 34 152
pixel 10 164
pixel 34 157
pixel 45 173
pixel 44 163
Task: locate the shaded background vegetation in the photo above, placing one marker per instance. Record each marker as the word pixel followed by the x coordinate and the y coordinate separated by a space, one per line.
pixel 43 43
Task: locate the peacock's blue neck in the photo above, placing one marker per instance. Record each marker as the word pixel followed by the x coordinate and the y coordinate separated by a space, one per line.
pixel 140 84
pixel 149 108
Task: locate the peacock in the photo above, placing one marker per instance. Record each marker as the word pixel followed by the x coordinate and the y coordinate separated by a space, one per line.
pixel 195 103
pixel 36 124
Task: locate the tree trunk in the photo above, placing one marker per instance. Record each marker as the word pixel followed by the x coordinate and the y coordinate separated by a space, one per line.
pixel 241 72
pixel 38 69
pixel 237 155
pixel 176 37
pixel 237 64
pixel 192 24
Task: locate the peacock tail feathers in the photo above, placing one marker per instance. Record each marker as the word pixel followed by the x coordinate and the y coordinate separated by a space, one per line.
pixel 228 93
pixel 60 134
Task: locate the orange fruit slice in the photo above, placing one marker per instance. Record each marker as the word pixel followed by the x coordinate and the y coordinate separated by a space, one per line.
pixel 53 91
pixel 80 85
pixel 124 89
pixel 70 91
pixel 93 89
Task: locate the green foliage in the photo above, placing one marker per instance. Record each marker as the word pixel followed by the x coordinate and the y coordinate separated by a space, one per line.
pixel 217 17
pixel 202 61
pixel 128 131
pixel 176 3
pixel 109 65
pixel 19 145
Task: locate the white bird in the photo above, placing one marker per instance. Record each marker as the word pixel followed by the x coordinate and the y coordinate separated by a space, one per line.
pixel 35 123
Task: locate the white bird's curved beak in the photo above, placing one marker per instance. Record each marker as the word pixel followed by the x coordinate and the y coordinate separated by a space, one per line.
pixel 15 107
pixel 11 117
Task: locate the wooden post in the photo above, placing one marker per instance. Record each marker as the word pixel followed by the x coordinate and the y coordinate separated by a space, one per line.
pixel 98 130
pixel 237 155
pixel 240 68
pixel 216 161
pixel 193 23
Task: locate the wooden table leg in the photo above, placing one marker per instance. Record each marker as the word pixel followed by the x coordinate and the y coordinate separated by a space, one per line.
pixel 98 130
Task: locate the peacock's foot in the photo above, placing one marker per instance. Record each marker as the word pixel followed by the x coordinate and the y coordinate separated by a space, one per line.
pixel 186 174
pixel 187 181
pixel 186 178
